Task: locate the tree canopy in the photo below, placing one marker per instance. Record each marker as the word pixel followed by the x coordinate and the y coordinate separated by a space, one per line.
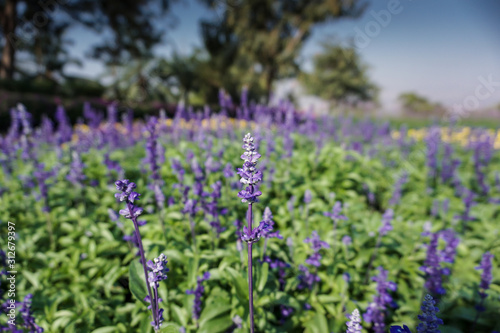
pixel 340 76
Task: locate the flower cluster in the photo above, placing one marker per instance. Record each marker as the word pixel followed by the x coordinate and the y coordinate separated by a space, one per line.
pixel 75 175
pixel 432 268
pixel 306 278
pixel 25 311
pixel 129 196
pixel 198 294
pixel 398 189
pixel 486 276
pixel 316 245
pixel 280 265
pixel 354 323
pixel 249 174
pixel 375 313
pixel 267 218
pixel 256 233
pixel 157 272
pixel 386 222
pixel 429 322
pixel 335 214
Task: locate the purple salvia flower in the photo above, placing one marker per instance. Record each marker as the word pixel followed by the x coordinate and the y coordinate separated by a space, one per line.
pixel 399 329
pixel 228 171
pixel 28 319
pixel 306 278
pixel 429 322
pixel 386 222
pixel 448 165
pixel 42 177
pixel 178 169
pixel 469 202
pixel 486 276
pixel 375 313
pixel 198 294
pixel 433 141
pixel 157 272
pixel 250 176
pixel 335 214
pixel 398 189
pixel 75 174
pixel 256 233
pixel 354 323
pixel 432 268
pixel 450 250
pixel 347 240
pixel 307 197
pixel 316 243
pixel 129 196
pixel 64 129
pixel 154 153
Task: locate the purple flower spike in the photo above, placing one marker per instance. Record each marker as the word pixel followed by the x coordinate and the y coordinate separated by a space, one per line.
pixel 307 197
pixel 29 321
pixel 256 233
pixel 157 272
pixel 432 268
pixel 157 269
pixel 429 322
pixel 486 276
pixel 249 174
pixel 316 243
pixel 335 213
pixel 347 240
pixel 198 294
pixel 375 313
pixel 399 329
pixel 386 222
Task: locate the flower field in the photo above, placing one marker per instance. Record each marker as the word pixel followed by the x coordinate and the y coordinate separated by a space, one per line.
pixel 357 226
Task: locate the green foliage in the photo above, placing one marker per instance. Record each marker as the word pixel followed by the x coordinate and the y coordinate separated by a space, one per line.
pixel 91 280
pixel 412 102
pixel 340 76
pixel 269 34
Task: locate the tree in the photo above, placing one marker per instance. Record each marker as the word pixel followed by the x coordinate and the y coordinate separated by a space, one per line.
pixel 132 28
pixel 339 76
pixel 180 74
pixel 8 19
pixel 271 32
pixel 414 103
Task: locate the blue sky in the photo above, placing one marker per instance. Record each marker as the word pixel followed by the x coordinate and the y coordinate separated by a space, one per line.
pixel 444 50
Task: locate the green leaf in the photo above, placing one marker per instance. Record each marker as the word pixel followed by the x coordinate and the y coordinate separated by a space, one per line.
pixel 137 281
pixel 106 329
pixel 239 283
pixel 169 328
pixel 32 278
pixel 318 324
pixel 213 310
pixel 264 272
pixel 219 324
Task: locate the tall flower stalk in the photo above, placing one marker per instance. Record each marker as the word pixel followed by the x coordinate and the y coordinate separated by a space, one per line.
pixel 250 176
pixel 486 277
pixel 384 229
pixel 157 269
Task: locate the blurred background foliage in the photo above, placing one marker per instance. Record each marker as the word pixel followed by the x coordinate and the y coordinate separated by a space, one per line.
pixel 249 43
